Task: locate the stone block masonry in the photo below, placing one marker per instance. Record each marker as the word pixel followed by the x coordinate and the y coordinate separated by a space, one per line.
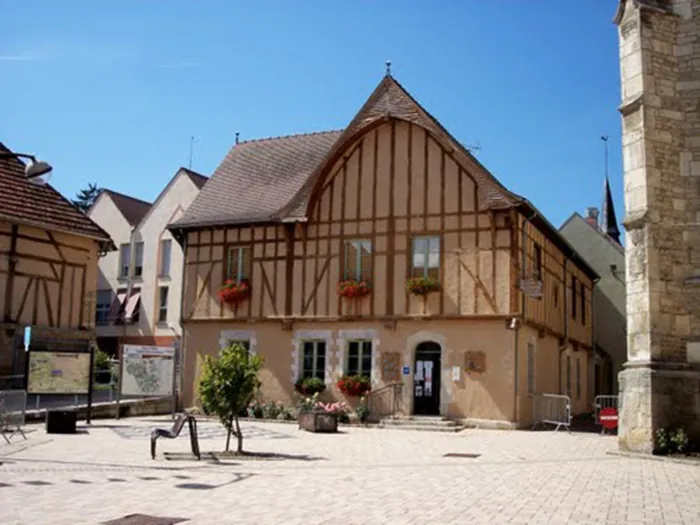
pixel 660 69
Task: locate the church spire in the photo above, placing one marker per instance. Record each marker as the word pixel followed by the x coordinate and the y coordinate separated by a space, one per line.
pixel 609 219
pixel 609 222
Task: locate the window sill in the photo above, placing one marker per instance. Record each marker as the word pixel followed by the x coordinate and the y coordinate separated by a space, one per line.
pixel 137 278
pixel 164 277
pixel 162 324
pixel 123 279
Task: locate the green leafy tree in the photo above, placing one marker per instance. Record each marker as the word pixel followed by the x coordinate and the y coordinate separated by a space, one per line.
pixel 86 197
pixel 228 385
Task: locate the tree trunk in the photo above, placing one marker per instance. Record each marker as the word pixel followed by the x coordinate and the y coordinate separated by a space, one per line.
pixel 239 436
pixel 229 427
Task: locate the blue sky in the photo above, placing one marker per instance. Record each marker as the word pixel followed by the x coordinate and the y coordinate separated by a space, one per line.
pixel 111 92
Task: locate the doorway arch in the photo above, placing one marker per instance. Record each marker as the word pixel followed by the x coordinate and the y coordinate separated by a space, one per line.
pixel 427 380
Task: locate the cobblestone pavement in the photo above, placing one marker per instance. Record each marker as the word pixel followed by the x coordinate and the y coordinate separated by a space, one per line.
pixel 358 476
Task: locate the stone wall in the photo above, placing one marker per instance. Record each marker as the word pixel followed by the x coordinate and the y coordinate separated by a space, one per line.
pixel 660 68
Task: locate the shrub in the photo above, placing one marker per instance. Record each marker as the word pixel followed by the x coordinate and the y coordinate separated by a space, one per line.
pixel 308 386
pixel 307 403
pixel 662 441
pixel 679 439
pixel 272 409
pixel 232 292
pixel 255 409
pixel 354 385
pixel 102 361
pixel 352 288
pixel 362 410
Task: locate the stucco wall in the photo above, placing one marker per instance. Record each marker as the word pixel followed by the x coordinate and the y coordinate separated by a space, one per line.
pixel 488 395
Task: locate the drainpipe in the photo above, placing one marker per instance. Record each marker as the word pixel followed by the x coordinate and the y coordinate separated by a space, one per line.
pixel 566 325
pixel 183 287
pixel 516 328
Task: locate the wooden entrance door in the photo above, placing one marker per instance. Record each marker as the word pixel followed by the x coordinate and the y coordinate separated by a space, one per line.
pixel 426 380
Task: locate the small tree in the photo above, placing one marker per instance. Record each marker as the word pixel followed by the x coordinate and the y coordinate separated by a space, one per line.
pixel 86 197
pixel 228 385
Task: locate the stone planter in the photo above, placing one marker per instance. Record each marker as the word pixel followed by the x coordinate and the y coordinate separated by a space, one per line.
pixel 318 421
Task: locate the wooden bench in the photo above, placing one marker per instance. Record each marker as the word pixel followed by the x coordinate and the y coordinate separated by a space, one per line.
pixel 174 432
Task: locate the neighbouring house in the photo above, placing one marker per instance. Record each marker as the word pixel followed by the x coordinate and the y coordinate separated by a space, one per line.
pixel 140 285
pixel 598 241
pixel 292 227
pixel 49 253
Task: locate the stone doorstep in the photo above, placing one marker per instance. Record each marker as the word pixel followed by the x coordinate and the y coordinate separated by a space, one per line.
pixel 426 423
pixel 423 428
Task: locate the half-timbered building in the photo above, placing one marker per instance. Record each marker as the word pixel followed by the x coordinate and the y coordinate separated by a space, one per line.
pixel 48 268
pixel 391 198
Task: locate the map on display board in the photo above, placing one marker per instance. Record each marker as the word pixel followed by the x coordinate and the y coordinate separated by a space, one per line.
pixel 147 370
pixel 59 373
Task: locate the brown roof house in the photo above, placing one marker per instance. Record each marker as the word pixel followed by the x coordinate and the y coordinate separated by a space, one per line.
pixel 385 250
pixel 48 268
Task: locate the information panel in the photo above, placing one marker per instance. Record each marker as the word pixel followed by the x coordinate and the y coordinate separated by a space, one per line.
pixel 58 373
pixel 147 370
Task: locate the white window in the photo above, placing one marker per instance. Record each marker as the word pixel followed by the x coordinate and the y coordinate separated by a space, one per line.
pixel 568 376
pixel 238 263
pixel 124 260
pixel 578 379
pixel 165 250
pixel 358 260
pixel 163 304
pixel 138 259
pixel 359 358
pixel 313 359
pixel 103 307
pixel 426 257
pixel 531 368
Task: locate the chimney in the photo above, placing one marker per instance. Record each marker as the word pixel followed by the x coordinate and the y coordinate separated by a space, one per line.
pixel 592 216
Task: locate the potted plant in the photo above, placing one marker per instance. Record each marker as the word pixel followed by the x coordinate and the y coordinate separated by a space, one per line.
pixel 357 385
pixel 422 285
pixel 313 417
pixel 308 386
pixel 232 292
pixel 352 288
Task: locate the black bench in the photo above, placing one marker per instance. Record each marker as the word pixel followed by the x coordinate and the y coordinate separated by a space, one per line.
pixel 174 432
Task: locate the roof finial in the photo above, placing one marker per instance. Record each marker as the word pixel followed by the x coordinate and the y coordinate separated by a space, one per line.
pixel 388 68
pixel 237 134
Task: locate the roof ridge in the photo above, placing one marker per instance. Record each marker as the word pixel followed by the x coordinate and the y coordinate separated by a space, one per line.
pixel 193 172
pixel 119 194
pixel 292 135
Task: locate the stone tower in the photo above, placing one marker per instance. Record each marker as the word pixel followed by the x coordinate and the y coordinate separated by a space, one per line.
pixel 660 68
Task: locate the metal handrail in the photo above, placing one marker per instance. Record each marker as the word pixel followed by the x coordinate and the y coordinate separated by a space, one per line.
pixel 395 389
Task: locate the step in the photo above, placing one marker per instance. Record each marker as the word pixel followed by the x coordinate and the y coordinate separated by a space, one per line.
pixel 423 428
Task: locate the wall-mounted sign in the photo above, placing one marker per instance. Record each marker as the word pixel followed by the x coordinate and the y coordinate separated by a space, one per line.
pixel 455 373
pixel 407 370
pixel 531 287
pixel 391 363
pixel 475 362
pixel 27 337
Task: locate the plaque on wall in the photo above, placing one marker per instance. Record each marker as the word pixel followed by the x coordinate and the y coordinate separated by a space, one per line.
pixel 391 367
pixel 475 362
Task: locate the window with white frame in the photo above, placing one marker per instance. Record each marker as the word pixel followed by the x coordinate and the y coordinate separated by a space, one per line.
pixel 163 304
pixel 359 358
pixel 568 376
pixel 166 246
pixel 103 306
pixel 578 379
pixel 358 260
pixel 124 260
pixel 530 368
pixel 138 259
pixel 313 360
pixel 238 263
pixel 426 257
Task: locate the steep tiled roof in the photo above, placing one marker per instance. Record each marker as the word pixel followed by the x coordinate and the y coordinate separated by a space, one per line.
pixel 131 208
pixel 257 178
pixel 198 179
pixel 25 202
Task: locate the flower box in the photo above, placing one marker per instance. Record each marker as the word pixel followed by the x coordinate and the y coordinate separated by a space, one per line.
pixel 233 293
pixel 351 289
pixel 318 421
pixel 354 385
pixel 422 285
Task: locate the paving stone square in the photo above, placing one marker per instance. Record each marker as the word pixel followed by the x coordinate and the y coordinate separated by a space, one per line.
pixel 358 476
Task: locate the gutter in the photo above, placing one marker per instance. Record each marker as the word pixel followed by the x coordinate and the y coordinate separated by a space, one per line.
pixel 179 400
pixel 563 347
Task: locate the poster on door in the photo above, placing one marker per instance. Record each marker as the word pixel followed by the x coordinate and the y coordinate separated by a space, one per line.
pixel 428 381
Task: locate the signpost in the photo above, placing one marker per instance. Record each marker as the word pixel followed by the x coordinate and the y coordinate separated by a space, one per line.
pixel 609 418
pixel 27 337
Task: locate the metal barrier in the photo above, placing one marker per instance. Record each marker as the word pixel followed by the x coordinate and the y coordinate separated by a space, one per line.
pixel 601 402
pixel 551 409
pixel 385 402
pixel 13 405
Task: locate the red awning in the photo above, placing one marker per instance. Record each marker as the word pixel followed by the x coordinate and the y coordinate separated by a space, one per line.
pixel 132 306
pixel 117 306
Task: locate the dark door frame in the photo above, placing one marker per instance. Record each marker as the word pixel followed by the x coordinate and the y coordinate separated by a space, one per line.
pixel 431 351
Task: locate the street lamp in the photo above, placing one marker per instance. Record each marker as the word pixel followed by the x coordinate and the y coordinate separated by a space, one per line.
pixel 34 168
